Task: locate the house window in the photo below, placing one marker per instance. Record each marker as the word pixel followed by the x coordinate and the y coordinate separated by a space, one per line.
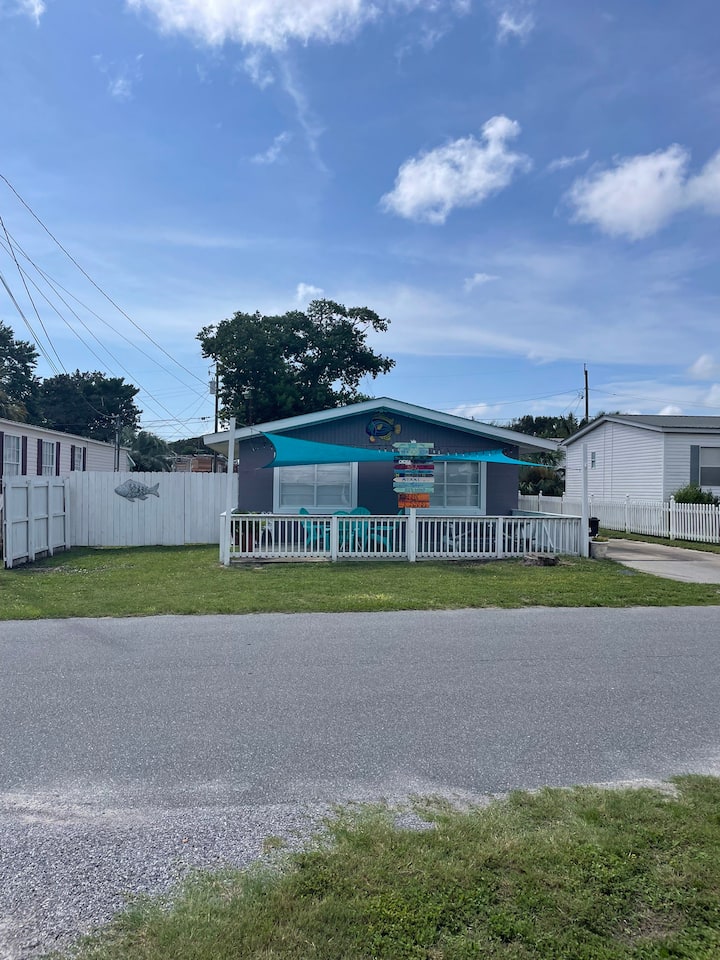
pixel 320 488
pixel 457 487
pixel 11 456
pixel 593 460
pixel 710 466
pixel 76 458
pixel 48 458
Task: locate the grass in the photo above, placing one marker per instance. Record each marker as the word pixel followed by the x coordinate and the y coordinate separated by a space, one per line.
pixel 582 874
pixel 144 581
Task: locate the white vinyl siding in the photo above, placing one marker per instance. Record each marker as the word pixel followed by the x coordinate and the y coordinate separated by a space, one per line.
pixel 677 459
pixel 99 456
pixel 629 462
pixel 320 488
pixel 709 467
pixel 11 456
pixel 48 458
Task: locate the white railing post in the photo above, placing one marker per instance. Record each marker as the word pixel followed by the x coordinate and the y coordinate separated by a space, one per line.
pixel 334 537
pixel 498 537
pixel 412 521
pixel 627 514
pixel 673 519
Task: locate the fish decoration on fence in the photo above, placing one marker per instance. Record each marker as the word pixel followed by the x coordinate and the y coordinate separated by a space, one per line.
pixel 133 490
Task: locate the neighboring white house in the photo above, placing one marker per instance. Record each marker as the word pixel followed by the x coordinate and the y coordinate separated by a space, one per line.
pixel 647 457
pixel 29 451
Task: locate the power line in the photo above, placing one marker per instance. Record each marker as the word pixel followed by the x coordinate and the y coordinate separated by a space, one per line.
pixel 97 286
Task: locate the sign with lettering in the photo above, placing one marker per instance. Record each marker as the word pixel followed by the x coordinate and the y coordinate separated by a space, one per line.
pixel 414 475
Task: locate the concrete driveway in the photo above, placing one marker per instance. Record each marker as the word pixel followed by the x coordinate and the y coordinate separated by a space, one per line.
pixel 692 566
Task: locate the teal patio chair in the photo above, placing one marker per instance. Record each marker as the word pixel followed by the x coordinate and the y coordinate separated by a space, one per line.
pixel 316 531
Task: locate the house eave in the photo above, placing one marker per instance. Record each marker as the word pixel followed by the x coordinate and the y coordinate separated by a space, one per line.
pixel 219 441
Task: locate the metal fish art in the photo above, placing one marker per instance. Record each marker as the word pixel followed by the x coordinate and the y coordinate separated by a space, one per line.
pixel 133 490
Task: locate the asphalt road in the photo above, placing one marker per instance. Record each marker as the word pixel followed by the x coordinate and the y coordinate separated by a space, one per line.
pixel 131 749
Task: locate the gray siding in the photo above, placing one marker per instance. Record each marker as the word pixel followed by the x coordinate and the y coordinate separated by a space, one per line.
pixel 375 479
pixel 677 459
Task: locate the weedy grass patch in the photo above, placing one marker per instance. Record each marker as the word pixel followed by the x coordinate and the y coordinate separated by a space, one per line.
pixel 580 874
pixel 145 581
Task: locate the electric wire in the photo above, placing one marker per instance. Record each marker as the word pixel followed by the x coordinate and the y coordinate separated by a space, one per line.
pixel 94 284
pixel 149 396
pixel 55 285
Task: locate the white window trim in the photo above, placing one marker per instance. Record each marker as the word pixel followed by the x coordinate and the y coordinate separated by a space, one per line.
pixel 48 469
pixel 479 511
pixel 7 462
pixel 325 510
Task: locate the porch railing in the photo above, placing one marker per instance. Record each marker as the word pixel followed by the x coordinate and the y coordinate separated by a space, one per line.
pixel 393 537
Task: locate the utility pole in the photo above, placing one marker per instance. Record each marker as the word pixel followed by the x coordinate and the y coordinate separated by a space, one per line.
pixel 214 389
pixel 587 397
pixel 118 424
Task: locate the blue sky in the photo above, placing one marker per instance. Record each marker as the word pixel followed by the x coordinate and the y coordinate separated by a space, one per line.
pixel 520 187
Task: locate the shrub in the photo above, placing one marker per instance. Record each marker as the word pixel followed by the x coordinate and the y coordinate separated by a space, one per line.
pixel 693 494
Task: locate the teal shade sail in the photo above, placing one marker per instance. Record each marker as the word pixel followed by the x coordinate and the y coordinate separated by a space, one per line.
pixel 291 452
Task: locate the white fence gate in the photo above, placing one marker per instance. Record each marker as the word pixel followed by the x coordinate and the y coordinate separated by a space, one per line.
pixel 145 509
pixel 655 518
pixel 34 518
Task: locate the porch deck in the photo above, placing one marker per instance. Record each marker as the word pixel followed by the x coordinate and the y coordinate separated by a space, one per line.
pixel 393 537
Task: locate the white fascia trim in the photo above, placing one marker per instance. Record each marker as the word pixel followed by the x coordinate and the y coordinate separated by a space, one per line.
pixel 386 403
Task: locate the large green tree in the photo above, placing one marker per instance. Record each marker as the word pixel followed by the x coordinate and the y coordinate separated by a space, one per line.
pixel 89 404
pixel 18 384
pixel 281 366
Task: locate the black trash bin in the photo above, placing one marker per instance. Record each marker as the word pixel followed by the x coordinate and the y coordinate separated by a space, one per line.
pixel 594 526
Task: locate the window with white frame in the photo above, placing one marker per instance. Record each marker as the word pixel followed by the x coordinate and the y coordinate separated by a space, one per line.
pixel 11 456
pixel 319 487
pixel 48 458
pixel 710 466
pixel 76 458
pixel 457 487
pixel 593 460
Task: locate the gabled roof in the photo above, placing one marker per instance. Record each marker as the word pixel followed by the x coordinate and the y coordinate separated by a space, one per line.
pixel 657 423
pixel 218 441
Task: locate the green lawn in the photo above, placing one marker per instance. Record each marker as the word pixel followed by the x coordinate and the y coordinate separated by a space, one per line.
pixel 583 874
pixel 189 580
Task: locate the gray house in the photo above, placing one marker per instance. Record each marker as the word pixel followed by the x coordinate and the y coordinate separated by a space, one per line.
pixel 30 451
pixel 460 488
pixel 646 457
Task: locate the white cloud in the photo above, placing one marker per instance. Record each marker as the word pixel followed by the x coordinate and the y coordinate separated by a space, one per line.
pixel 512 25
pixel 562 163
pixel 29 8
pixel 705 368
pixel 256 68
pixel 272 23
pixel 641 194
pixel 306 292
pixel 312 127
pixel 274 151
pixel 477 280
pixel 670 410
pixel 121 77
pixel 463 173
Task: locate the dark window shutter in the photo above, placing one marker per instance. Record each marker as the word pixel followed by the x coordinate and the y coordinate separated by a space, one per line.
pixel 84 450
pixel 2 452
pixel 23 456
pixel 695 465
pixel 38 468
pixel 72 457
pixel 57 459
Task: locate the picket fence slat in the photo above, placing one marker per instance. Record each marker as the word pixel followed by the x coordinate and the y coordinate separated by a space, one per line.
pixel 677 521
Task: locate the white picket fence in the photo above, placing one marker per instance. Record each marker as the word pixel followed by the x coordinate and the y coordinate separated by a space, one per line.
pixel 656 518
pixel 34 518
pixel 409 537
pixel 177 508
